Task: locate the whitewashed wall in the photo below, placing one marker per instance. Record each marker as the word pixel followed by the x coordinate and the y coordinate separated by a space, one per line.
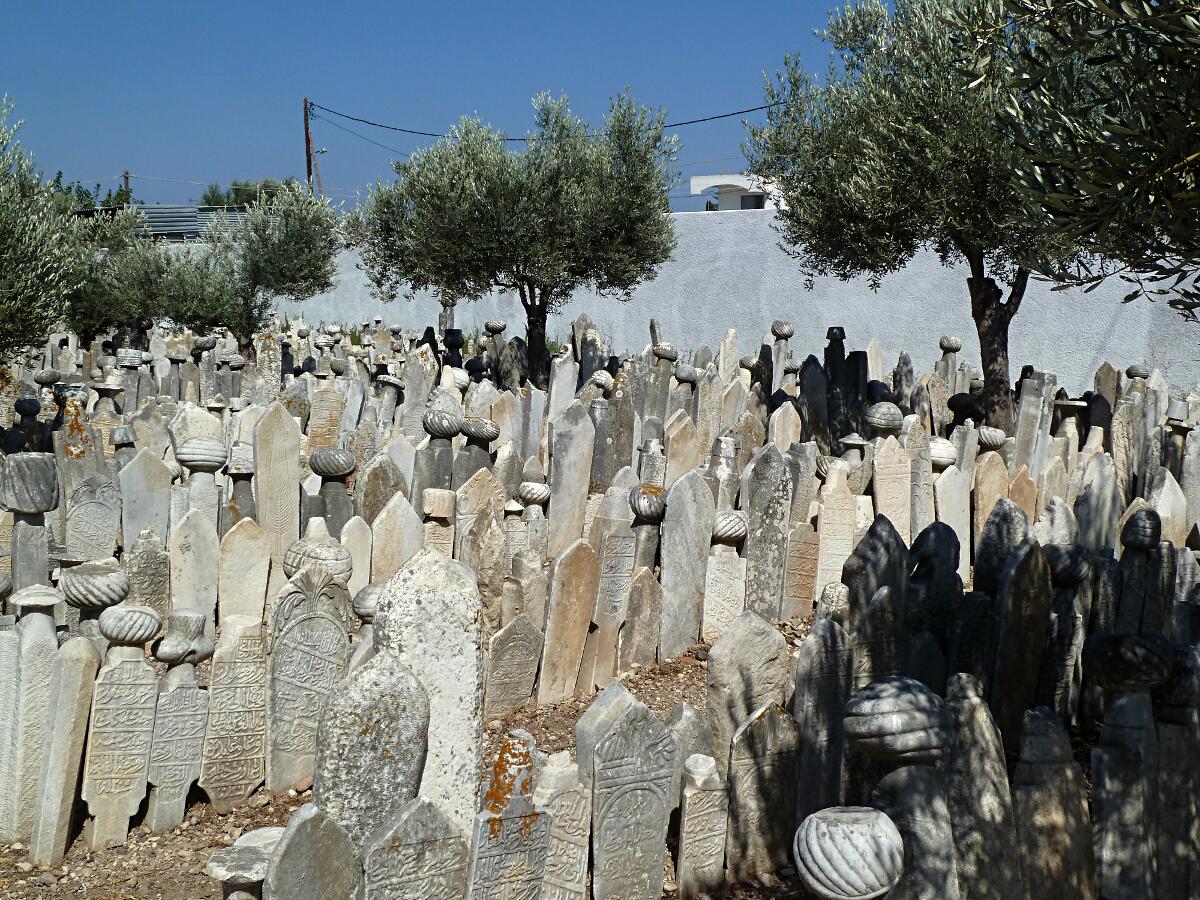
pixel 728 271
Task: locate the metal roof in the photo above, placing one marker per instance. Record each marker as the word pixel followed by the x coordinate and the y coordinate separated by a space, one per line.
pixel 178 222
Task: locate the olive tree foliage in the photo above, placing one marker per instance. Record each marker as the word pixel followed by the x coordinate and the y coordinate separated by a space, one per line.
pixel 285 247
pixel 890 154
pixel 1105 109
pixel 48 255
pixel 571 209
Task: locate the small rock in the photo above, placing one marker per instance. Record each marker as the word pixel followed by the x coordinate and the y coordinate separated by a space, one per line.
pixel 304 784
pixel 47 879
pixel 701 654
pixel 258 801
pixel 24 867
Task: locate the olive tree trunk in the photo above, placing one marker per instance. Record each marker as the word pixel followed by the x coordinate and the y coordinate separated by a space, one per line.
pixel 535 336
pixel 993 315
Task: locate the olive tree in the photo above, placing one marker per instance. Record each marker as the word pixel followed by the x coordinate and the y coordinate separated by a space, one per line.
pixel 1105 109
pixel 893 152
pixel 571 209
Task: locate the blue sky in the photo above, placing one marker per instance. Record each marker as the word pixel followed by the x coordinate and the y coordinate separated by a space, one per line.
pixel 212 91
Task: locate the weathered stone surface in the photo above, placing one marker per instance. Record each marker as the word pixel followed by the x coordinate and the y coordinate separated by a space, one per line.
pixel 443 646
pixel 314 860
pixel 703 818
pixel 511 835
pixel 418 855
pixel 145 497
pixel 848 852
pixel 629 755
pixel 75 669
pixel 952 492
pixel 764 758
pixel 879 642
pixel 195 564
pixel 914 799
pixel 978 797
pixel 835 528
pixel 686 537
pixel 244 568
pixel 767 499
pixel 574 581
pixel 276 476
pixel 514 653
pixel 396 536
pixel 371 746
pixel 748 668
pixel 568 801
pixel 1050 807
pixel 570 439
pixel 309 654
pixel 235 739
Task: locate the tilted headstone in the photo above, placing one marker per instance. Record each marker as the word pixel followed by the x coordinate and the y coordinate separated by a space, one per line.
pixel 571 436
pixel 514 653
pixel 821 672
pixel 443 646
pixel 686 537
pixel 371 746
pixel 243 571
pixel 419 854
pixel 276 476
pixel 767 500
pixel 314 859
pixel 574 582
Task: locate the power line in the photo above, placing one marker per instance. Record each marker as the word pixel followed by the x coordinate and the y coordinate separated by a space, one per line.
pixel 434 134
pixel 403 154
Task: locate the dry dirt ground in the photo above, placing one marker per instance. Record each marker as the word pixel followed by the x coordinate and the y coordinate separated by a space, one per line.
pixel 170 865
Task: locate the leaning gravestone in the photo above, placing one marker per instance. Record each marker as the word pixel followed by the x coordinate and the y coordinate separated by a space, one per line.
pixel 686 538
pixel 419 855
pixel 276 474
pixel 314 860
pixel 513 655
pixel 371 746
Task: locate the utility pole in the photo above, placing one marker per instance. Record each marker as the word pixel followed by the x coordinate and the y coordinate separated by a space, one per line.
pixel 308 160
pixel 317 171
pixel 128 193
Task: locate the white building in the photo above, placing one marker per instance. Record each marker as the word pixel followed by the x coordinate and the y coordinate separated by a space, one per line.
pixel 736 191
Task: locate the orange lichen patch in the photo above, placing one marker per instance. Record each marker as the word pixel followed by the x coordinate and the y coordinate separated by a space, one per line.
pixel 652 490
pixel 510 773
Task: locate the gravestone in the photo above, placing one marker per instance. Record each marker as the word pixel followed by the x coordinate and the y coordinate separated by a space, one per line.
pixel 914 798
pixel 513 656
pixel 893 486
pixel 735 689
pixel 145 497
pixel 630 757
pixel 568 801
pixel 800 574
pixel 764 759
pixel 233 760
pixel 371 746
pixel 511 835
pixel 418 855
pixel 243 570
pixel 397 535
pixel 703 818
pixel 637 643
pixel 122 726
pixel 570 439
pixel 314 860
pixel 574 582
pixel 442 644
pixel 276 476
pixel 821 675
pixel 685 539
pixel 767 499
pixel 195 564
pixel 835 529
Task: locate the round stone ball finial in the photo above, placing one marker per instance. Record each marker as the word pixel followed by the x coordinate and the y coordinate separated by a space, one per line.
pixel 129 625
pixel 991 438
pixel 302 332
pixel 439 423
pixel 730 527
pixel 366 601
pixel 29 483
pixel 782 330
pixel 885 418
pixel 666 351
pixel 462 378
pixel 648 502
pixel 47 377
pixel 337 366
pixel 603 379
pixel 949 344
pixel 898 719
pixel 533 493
pixel 480 429
pixel 848 853
pixel 494 326
pixel 835 333
pixel 202 454
pixel 331 462
pixel 1142 530
pixel 942 453
pixel 1137 370
pixel 323 552
pixel 749 363
pixel 94 585
pixel 686 374
pixel 202 343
